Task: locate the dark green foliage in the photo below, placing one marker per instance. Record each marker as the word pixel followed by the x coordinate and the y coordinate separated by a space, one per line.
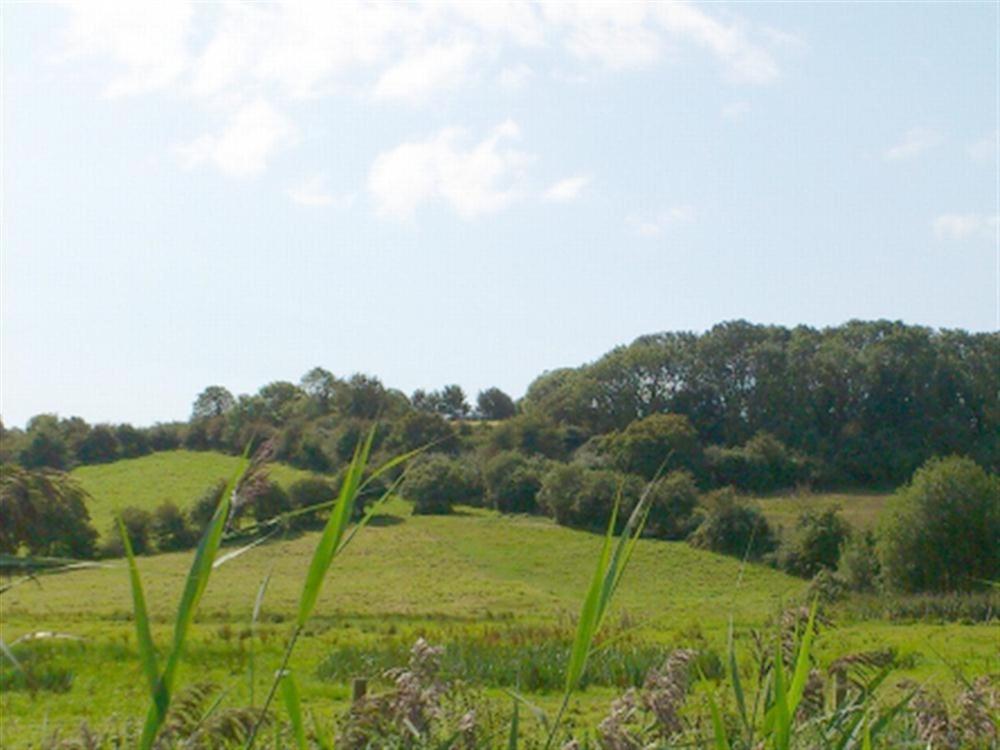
pixel 581 497
pixel 763 464
pixel 858 565
pixel 942 529
pixel 166 437
pixel 268 500
pixel 169 529
pixel 495 404
pixel 202 509
pixel 512 482
pixel 320 386
pixel 869 400
pixel 139 527
pixel 814 544
pixel 530 434
pixel 733 527
pixel 660 441
pixel 132 442
pixel 437 483
pixel 672 506
pixel 44 446
pixel 421 429
pixel 214 401
pixel 99 446
pixel 306 493
pixel 44 512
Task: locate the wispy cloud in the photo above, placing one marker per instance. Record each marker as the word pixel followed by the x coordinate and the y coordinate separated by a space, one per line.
pixel 475 179
pixel 244 147
pixel 965 226
pixel 225 57
pixel 566 190
pixel 656 225
pixel 914 142
pixel 315 193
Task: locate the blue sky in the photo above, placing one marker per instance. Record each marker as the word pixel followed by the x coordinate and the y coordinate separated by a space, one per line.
pixel 473 193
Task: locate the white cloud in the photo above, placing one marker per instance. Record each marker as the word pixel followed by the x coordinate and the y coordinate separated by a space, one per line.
pixel 654 226
pixel 146 42
pixel 479 179
pixel 566 190
pixel 914 142
pixel 314 193
pixel 243 148
pixel 433 69
pixel 965 226
pixel 984 151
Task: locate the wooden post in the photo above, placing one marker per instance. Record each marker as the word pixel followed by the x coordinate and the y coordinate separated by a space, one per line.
pixel 359 688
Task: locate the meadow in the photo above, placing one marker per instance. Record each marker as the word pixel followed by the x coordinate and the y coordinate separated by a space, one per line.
pixel 492 587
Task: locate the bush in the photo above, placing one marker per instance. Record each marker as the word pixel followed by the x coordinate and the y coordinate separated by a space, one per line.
pixel 138 525
pixel 660 440
pixel 306 493
pixel 417 429
pixel 576 496
pixel 763 464
pixel 733 527
pixel 45 512
pixel 438 483
pixel 269 500
pixel 941 530
pixel 815 544
pixel 169 529
pixel 203 508
pixel 858 565
pixel 512 481
pixel 672 504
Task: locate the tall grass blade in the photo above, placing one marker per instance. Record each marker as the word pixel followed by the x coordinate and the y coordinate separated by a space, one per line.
pixel 781 726
pixel 334 530
pixel 254 616
pixel 734 677
pixel 194 587
pixel 290 694
pixel 144 638
pixel 512 737
pixel 718 727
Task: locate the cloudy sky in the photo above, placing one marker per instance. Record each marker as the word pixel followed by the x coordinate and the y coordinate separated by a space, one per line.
pixel 473 192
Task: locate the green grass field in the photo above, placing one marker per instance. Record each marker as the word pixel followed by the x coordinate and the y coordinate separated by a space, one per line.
pixel 176 476
pixel 474 578
pixel 861 510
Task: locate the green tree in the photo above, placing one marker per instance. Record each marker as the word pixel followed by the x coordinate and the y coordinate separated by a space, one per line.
pixel 169 530
pixel 815 543
pixel 321 387
pixel 437 483
pixel 941 530
pixel 512 482
pixel 656 442
pixel 733 527
pixel 214 401
pixel 495 404
pixel 45 512
pixel 99 446
pixel 132 442
pixel 44 446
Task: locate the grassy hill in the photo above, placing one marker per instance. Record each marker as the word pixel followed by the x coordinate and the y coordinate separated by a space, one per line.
pixel 503 589
pixel 176 476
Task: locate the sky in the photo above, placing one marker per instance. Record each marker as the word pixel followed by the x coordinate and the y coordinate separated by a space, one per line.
pixel 473 193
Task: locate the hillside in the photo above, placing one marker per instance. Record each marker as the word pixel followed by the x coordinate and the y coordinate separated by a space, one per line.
pixel 175 476
pixel 475 577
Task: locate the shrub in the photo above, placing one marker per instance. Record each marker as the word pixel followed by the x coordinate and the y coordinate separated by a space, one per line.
pixel 858 565
pixel 576 496
pixel 672 506
pixel 99 446
pixel 169 529
pixel 203 508
pixel 269 500
pixel 512 481
pixel 941 530
pixel 138 525
pixel 45 512
pixel 306 493
pixel 763 464
pixel 733 527
pixel 438 483
pixel 815 544
pixel 660 440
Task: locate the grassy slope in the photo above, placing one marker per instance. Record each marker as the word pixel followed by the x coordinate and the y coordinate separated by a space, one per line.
pixel 860 509
pixel 177 476
pixel 442 577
